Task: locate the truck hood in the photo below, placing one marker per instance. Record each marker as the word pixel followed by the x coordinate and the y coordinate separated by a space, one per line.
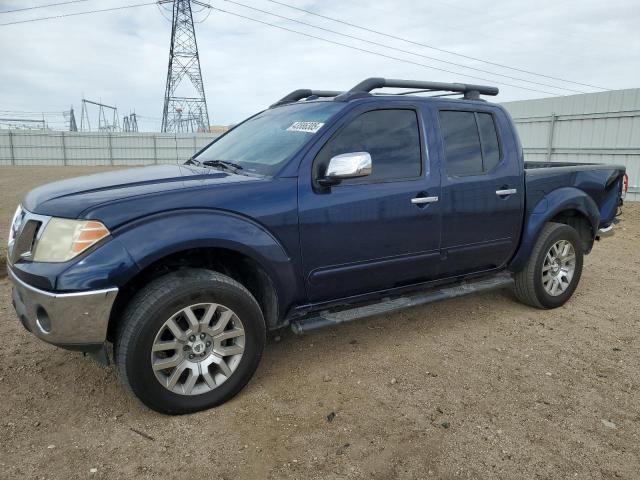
pixel 69 198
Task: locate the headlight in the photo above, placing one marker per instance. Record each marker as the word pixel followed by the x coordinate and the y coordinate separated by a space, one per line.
pixel 63 239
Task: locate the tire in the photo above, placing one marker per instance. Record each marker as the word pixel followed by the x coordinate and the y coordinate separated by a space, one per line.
pixel 173 319
pixel 530 281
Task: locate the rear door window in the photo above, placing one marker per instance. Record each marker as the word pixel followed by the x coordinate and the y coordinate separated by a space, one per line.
pixel 470 142
pixel 462 149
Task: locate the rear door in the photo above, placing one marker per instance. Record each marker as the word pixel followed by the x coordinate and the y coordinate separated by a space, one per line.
pixel 482 189
pixel 370 234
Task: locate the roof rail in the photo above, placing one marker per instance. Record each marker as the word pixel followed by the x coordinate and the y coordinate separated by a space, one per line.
pixel 305 93
pixel 471 92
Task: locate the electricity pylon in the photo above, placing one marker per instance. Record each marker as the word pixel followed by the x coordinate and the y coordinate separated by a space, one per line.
pixel 130 123
pixel 184 64
pixel 104 124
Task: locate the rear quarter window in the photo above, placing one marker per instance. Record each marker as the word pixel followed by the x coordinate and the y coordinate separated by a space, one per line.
pixel 489 141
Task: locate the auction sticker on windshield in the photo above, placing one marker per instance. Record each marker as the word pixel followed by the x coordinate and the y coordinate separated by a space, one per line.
pixel 307 127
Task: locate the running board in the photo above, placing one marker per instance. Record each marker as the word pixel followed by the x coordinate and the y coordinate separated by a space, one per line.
pixel 327 318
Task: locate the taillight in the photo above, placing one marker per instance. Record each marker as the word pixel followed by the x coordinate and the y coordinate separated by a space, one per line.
pixel 625 186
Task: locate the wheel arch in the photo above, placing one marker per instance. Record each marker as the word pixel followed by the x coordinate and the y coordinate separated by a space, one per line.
pixel 581 223
pixel 238 266
pixel 223 242
pixel 570 206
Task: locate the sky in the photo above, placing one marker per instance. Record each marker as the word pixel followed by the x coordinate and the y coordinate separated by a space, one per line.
pixel 120 58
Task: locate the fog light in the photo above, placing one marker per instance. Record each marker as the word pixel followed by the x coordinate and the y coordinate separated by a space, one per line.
pixel 42 320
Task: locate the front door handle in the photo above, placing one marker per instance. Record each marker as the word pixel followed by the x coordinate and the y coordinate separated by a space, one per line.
pixel 508 191
pixel 421 200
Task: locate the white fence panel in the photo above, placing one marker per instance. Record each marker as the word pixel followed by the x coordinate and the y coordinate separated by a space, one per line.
pixel 599 127
pixel 26 147
pixel 87 149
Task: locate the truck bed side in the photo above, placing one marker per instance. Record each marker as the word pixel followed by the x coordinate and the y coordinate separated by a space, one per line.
pixel 603 183
pixel 587 194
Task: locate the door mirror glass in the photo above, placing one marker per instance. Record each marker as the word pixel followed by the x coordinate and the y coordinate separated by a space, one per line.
pixel 348 165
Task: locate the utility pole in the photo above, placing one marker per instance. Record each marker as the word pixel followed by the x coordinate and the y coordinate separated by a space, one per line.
pixel 184 71
pixel 72 121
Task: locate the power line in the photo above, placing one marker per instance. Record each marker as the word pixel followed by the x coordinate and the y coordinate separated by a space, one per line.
pixel 403 51
pixel 86 12
pixel 205 18
pixel 377 32
pixel 160 9
pixel 22 112
pixel 337 43
pixel 43 6
pixel 378 53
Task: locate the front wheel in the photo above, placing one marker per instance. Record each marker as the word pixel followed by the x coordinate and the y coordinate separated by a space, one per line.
pixel 553 270
pixel 189 340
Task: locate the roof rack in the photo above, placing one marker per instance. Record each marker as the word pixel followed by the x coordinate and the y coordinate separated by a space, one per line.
pixel 363 89
pixel 471 92
pixel 306 94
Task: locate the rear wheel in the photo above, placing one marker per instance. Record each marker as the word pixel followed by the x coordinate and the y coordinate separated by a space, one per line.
pixel 553 270
pixel 190 340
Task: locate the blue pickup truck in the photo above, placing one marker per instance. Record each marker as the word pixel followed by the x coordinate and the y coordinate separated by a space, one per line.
pixel 325 207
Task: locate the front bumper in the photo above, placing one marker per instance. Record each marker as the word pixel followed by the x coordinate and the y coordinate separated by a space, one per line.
pixel 76 320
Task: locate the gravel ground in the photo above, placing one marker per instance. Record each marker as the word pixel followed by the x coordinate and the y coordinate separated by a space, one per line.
pixel 474 387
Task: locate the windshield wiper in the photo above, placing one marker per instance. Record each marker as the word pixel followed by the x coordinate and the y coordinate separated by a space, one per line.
pixel 223 164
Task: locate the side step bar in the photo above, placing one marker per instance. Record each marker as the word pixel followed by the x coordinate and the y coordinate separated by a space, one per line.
pixel 327 318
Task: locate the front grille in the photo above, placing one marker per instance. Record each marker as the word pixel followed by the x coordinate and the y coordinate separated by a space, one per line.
pixel 23 234
pixel 24 241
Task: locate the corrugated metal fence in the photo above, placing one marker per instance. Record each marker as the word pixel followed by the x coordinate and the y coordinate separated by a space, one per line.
pixel 599 127
pixel 27 147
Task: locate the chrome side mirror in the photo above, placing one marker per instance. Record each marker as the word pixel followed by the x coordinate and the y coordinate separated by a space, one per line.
pixel 347 165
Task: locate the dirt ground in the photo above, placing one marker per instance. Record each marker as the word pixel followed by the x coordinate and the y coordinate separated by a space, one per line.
pixel 475 387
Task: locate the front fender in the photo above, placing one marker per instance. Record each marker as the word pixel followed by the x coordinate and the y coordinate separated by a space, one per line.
pixel 557 201
pixel 153 238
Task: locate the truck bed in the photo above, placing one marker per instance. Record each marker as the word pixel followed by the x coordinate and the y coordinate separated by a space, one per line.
pixel 601 182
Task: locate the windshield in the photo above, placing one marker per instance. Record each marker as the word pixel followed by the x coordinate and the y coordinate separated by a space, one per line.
pixel 265 142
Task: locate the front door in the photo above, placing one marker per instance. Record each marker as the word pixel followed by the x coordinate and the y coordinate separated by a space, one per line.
pixel 370 233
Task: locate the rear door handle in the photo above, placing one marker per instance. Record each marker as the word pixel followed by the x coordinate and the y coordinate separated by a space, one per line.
pixel 421 200
pixel 508 191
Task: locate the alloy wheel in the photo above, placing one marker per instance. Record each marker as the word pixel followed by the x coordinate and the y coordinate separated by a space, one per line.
pixel 198 348
pixel 558 267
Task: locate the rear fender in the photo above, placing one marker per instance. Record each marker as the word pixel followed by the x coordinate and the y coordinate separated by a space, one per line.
pixel 556 202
